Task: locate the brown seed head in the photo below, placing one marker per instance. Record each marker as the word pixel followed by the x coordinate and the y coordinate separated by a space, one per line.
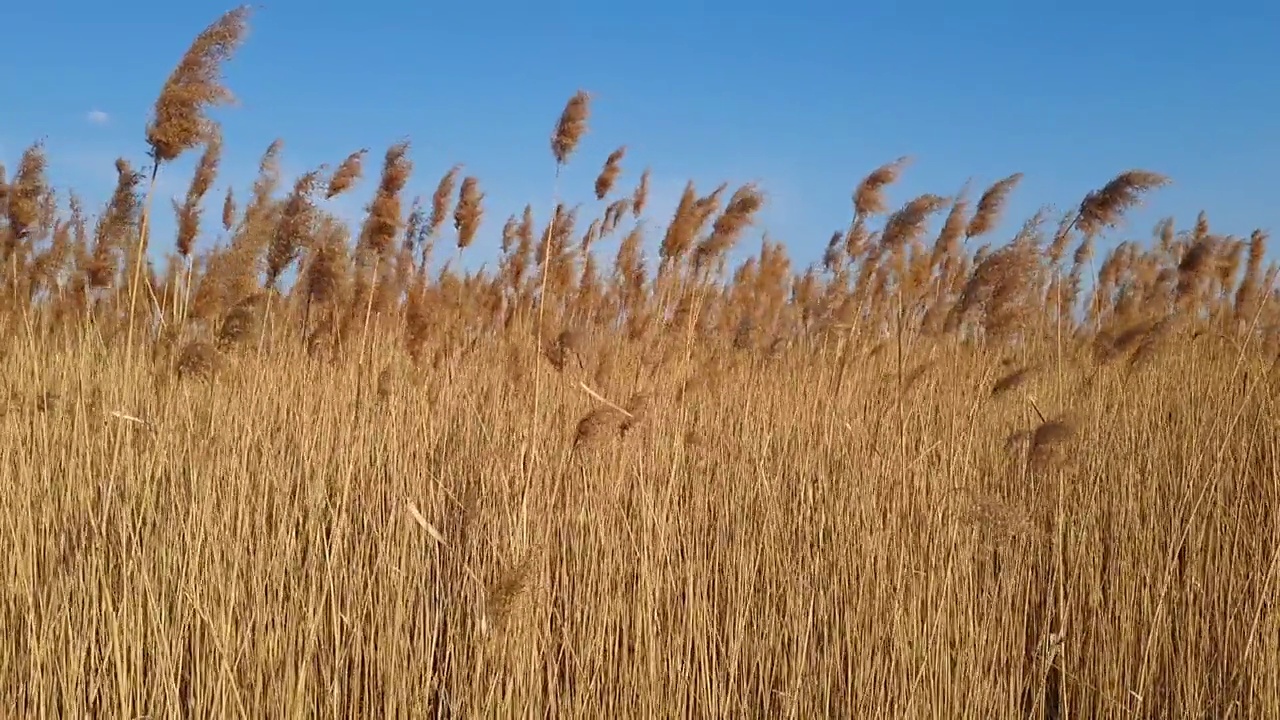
pixel 681 231
pixel 504 595
pixel 1012 380
pixel 596 426
pixel 1104 208
pixel 614 213
pixel 197 360
pixel 293 230
pixel 1195 265
pixel 641 195
pixel 469 213
pixel 26 195
pixel 948 242
pixel 1061 236
pixel 907 224
pixel 346 175
pixel 325 270
pixel 189 212
pixel 229 210
pixel 440 199
pixel 179 123
pixel 1048 436
pixel 609 174
pixel 207 168
pixel 383 221
pixel 571 127
pixel 728 228
pixel 868 198
pixel 510 233
pixel 122 210
pixel 990 205
pixel 239 322
pixel 568 345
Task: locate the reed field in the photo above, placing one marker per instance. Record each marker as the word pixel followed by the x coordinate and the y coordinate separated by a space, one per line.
pixel 281 465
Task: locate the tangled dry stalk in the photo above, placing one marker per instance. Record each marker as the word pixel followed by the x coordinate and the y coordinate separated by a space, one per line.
pixel 927 477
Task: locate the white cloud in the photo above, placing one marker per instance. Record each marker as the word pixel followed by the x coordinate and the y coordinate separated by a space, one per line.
pixel 97 117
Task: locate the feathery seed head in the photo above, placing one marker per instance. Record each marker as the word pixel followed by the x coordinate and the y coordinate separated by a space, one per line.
pixel 597 426
pixel 990 206
pixel 293 229
pixel 229 210
pixel 728 228
pixel 641 195
pixel 868 197
pixel 469 212
pixel 207 168
pixel 189 212
pixel 440 199
pixel 383 221
pixel 610 172
pixel 26 195
pixel 179 122
pixel 346 175
pixel 953 229
pixel 197 360
pixel 908 223
pixel 1104 208
pixel 571 127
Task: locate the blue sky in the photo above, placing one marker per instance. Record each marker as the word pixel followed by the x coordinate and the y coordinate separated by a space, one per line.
pixel 805 98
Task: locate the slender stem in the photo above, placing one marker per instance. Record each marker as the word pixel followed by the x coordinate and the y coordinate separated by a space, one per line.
pixel 368 310
pixel 137 262
pixel 542 299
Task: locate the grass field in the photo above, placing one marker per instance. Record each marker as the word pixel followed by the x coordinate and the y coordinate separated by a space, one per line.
pixel 310 472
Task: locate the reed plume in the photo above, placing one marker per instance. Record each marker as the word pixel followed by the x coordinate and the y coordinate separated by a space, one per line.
pixel 440 200
pixel 24 198
pixel 990 206
pixel 179 122
pixel 728 228
pixel 383 219
pixel 868 197
pixel 229 210
pixel 346 175
pixel 641 196
pixel 190 210
pixel 571 127
pixel 610 172
pixel 293 230
pixel 1104 208
pixel 469 212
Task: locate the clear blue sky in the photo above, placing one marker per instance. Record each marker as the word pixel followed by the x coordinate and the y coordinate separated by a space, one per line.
pixel 806 97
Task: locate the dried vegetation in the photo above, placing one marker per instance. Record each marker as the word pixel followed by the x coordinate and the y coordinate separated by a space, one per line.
pixel 299 469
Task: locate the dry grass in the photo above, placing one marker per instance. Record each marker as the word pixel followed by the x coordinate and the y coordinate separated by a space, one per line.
pixel 308 475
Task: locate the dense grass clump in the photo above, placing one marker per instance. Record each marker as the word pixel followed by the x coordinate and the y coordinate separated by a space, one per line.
pixel 300 470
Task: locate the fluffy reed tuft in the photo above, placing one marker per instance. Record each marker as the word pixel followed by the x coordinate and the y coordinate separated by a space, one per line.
pixel 346 175
pixel 189 212
pixel 1103 208
pixel 383 220
pixel 610 172
pixel 440 200
pixel 179 122
pixel 990 205
pixel 469 212
pixel 868 197
pixel 571 127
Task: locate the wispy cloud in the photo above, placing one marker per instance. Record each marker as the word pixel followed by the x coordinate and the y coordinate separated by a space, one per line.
pixel 97 117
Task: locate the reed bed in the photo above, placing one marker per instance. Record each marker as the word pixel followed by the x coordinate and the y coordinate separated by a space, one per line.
pixel 290 467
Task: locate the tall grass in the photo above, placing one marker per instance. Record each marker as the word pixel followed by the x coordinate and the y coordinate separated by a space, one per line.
pixel 309 474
